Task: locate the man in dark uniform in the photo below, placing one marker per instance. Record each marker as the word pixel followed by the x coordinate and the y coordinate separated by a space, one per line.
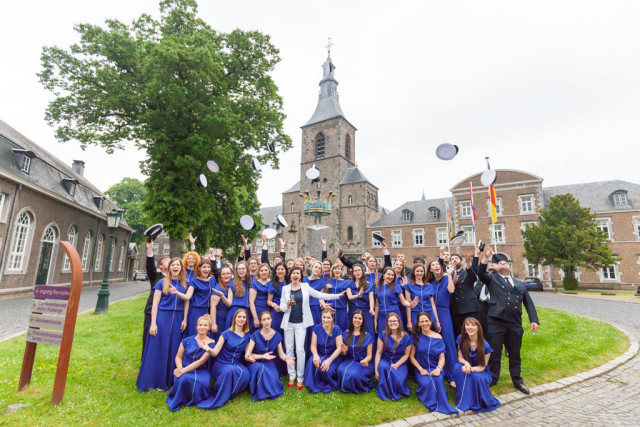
pixel 155 274
pixel 464 302
pixel 505 316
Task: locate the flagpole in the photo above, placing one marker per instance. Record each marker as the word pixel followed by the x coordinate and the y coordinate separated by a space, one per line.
pixel 492 231
pixel 473 212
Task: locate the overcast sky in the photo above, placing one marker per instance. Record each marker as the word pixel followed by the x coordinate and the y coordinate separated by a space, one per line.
pixel 548 87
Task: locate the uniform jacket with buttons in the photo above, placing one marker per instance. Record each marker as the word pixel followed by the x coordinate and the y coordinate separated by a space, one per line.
pixel 464 300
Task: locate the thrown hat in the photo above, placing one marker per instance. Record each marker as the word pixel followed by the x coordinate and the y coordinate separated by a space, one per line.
pixel 488 177
pixel 202 181
pixel 153 232
pixel 269 233
pixel 272 147
pixel 281 221
pixel 378 237
pixel 213 166
pixel 313 174
pixel 256 164
pixel 458 238
pixel 496 258
pixel 247 222
pixel 446 151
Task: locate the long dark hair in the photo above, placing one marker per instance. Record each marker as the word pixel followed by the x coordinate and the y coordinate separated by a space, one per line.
pixel 388 331
pixel 431 277
pixel 464 342
pixel 291 271
pixel 392 285
pixel 203 262
pixel 417 330
pixel 274 279
pixel 362 283
pixel 413 274
pixel 363 331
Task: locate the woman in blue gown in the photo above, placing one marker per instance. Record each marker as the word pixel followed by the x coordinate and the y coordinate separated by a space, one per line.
pixel 336 285
pixel 278 280
pixel 321 374
pixel 190 261
pixel 238 294
pixel 427 356
pixel 192 376
pixel 168 320
pixel 419 288
pixel 201 286
pixel 401 282
pixel 443 287
pixel 258 294
pixel 316 305
pixel 231 376
pixel 394 346
pixel 265 343
pixel 389 298
pixel 361 297
pixel 355 370
pixel 219 302
pixel 472 372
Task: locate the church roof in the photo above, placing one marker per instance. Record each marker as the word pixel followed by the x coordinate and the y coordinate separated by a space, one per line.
pixel 353 175
pixel 598 196
pixel 328 100
pixel 294 189
pixel 419 213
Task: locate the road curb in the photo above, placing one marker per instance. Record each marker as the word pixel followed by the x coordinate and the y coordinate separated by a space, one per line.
pixel 505 399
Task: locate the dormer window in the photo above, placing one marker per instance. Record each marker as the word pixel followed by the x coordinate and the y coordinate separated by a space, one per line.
pixel 69 184
pixel 434 213
pixel 98 200
pixel 619 198
pixel 407 216
pixel 24 159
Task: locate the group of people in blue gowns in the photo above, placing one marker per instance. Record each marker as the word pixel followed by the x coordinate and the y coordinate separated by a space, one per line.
pixel 211 339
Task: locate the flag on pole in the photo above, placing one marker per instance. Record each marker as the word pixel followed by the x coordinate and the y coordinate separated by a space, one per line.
pixel 492 197
pixel 473 208
pixel 449 221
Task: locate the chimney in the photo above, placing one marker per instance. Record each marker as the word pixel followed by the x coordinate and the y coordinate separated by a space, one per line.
pixel 78 167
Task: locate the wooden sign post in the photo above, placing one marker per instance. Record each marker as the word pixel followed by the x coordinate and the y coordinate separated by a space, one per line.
pixel 49 302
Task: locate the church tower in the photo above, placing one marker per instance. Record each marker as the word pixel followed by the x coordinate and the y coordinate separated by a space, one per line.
pixel 328 142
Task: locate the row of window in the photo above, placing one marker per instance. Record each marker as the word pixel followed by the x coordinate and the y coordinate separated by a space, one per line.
pixel 320 145
pixel 23 235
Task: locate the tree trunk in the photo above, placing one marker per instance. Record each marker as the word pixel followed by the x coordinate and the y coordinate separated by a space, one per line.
pixel 176 244
pixel 569 283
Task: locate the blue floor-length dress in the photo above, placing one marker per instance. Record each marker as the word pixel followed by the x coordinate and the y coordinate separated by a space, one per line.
pixel 388 302
pixel 401 308
pixel 472 390
pixel 341 317
pixel 424 294
pixel 261 298
pixel 199 303
pixel 442 297
pixel 316 379
pixel 239 303
pixel 264 381
pixel 353 377
pixel 231 376
pixel 431 390
pixel 362 303
pixel 193 386
pixel 316 313
pixel 276 319
pixel 222 311
pixel 393 382
pixel 158 356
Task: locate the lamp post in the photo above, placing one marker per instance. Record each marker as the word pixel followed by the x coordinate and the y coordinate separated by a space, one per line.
pixel 113 219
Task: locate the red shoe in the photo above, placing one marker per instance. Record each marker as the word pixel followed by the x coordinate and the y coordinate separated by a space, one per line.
pixel 290 384
pixel 299 386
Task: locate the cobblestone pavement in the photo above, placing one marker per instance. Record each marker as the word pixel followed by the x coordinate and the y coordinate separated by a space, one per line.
pixel 610 399
pixel 14 312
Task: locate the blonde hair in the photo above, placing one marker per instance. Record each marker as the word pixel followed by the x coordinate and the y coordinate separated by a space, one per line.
pixel 245 327
pixel 206 318
pixel 167 279
pixel 240 282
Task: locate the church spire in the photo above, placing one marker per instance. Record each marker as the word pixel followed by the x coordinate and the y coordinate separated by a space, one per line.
pixel 328 101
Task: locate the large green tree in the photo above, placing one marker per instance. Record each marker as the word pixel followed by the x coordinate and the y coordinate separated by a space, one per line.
pixel 129 194
pixel 566 237
pixel 186 94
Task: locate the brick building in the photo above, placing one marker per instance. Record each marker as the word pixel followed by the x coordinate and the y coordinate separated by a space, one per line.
pixel 419 228
pixel 43 201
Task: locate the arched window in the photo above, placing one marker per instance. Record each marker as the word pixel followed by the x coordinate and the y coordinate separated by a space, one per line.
pixel 349 200
pixel 99 246
pixel 86 250
pixel 320 145
pixel 20 241
pixel 293 205
pixel 347 147
pixel 407 216
pixel 50 235
pixel 349 233
pixel 72 237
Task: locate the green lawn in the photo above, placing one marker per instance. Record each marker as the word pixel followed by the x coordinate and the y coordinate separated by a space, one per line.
pixel 106 357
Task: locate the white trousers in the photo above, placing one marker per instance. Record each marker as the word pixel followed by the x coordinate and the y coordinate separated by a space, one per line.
pixel 294 337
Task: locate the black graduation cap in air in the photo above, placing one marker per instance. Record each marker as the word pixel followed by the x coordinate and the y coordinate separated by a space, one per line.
pixel 458 238
pixel 378 237
pixel 153 232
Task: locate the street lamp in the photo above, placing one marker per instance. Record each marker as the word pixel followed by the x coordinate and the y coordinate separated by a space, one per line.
pixel 113 219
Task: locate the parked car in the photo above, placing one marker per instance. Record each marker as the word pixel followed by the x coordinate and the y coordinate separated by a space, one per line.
pixel 533 284
pixel 140 275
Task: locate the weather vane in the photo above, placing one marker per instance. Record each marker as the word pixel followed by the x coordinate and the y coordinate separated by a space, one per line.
pixel 328 46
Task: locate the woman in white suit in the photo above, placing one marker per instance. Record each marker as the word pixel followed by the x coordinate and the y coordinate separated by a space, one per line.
pixel 294 303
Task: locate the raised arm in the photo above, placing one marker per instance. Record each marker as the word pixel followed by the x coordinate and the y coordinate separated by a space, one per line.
pixel 324 249
pixel 346 261
pixel 387 256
